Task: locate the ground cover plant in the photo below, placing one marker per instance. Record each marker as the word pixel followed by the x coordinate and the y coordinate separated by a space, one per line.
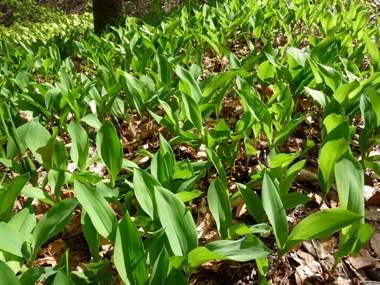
pixel 221 134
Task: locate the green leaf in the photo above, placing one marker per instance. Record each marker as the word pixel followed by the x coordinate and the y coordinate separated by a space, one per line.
pixel 160 170
pixel 213 157
pixel 91 235
pixel 373 51
pixel 37 193
pixel 220 207
pixel 100 212
pixel 129 253
pixel 177 221
pixel 62 279
pixel 193 112
pixel 13 242
pixel 92 121
pixel 47 151
pixel 57 178
pixel 176 277
pixel 329 154
pixel 248 248
pixel 332 78
pixel 36 136
pixel 182 170
pixel 237 230
pixel 266 74
pixel 275 210
pixel 293 200
pixel 7 275
pixel 192 86
pixel 144 190
pixel 253 202
pixel 219 82
pixel 24 222
pixel 186 196
pixel 53 222
pixel 8 197
pixel 110 149
pixel 79 146
pixel 160 268
pixel 258 109
pixel 31 276
pixel 319 225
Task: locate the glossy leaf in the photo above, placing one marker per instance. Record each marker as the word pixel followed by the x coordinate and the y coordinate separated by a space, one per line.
pixel 110 149
pixel 129 254
pixel 80 145
pixel 177 221
pixel 100 212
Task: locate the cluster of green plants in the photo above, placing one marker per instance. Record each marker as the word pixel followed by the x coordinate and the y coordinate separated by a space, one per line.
pixel 32 21
pixel 140 67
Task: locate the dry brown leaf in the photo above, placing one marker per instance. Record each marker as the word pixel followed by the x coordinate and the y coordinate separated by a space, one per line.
pixel 372 213
pixel 363 260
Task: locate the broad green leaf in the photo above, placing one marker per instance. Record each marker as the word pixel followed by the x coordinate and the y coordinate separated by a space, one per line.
pixel 275 210
pixel 36 136
pixel 219 82
pixel 182 170
pixel 47 151
pixel 92 121
pixel 186 196
pixel 8 197
pixel 193 112
pixel 195 92
pixel 237 230
pixel 373 51
pixel 80 145
pixel 160 268
pixel 53 221
pixel 129 253
pixel 110 149
pixel 285 132
pixel 61 278
pixel 7 275
pixel 266 74
pixel 91 235
pixel 14 242
pixel 177 221
pixel 290 176
pixel 220 207
pixel 329 154
pixel 248 248
pixel 293 200
pixel 144 183
pixel 176 277
pixel 160 170
pixel 252 202
pixel 350 183
pixel 24 222
pixel 245 249
pixel 332 78
pixel 31 276
pixel 258 109
pixel 100 212
pixel 319 225
pixel 57 178
pixel 213 157
pixel 37 193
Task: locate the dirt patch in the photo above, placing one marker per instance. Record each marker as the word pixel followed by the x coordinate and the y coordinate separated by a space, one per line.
pixel 6 19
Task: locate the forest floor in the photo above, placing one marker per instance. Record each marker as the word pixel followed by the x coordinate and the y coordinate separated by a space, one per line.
pixel 308 263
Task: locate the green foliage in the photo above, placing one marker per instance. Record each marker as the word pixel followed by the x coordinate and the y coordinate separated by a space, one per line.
pixel 94 90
